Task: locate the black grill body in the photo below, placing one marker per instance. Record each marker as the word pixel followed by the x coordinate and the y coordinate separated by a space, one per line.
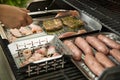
pixel 108 16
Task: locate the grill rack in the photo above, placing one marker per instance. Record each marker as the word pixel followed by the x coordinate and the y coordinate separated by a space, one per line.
pixel 107 18
pixel 36 69
pixel 40 66
pixel 69 72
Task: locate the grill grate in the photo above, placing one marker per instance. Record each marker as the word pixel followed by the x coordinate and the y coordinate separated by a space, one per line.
pixel 108 18
pixel 70 72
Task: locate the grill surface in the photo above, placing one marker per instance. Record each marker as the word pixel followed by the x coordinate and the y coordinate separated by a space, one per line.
pixel 108 18
pixel 102 11
pixel 70 72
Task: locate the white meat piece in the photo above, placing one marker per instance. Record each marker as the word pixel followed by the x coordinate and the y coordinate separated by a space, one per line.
pixel 27 53
pixel 36 56
pixel 25 31
pixel 35 28
pixel 55 54
pixel 15 32
pixel 12 38
pixel 42 51
pixel 51 50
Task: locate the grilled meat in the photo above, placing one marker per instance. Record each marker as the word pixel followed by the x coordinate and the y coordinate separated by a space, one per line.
pixel 52 25
pixel 72 22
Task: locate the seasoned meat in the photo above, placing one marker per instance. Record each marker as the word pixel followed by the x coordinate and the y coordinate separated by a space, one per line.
pixel 72 22
pixel 52 25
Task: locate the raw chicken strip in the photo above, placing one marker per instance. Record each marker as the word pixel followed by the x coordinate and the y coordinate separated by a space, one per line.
pixel 35 28
pixel 36 56
pixel 25 31
pixel 15 32
pixel 51 51
pixel 12 38
pixel 27 53
pixel 42 51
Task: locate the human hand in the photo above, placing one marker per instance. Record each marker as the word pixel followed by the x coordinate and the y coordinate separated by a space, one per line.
pixel 14 17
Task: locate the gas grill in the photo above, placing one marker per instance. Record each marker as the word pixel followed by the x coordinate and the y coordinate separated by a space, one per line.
pixel 107 11
pixel 104 11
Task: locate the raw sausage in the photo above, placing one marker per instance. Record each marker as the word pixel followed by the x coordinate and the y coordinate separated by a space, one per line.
pixel 97 44
pixel 104 60
pixel 82 31
pixel 83 45
pixel 116 54
pixel 67 34
pixel 76 52
pixel 109 42
pixel 93 64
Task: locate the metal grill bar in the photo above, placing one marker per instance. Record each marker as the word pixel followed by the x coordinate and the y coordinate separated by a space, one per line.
pixel 70 72
pixel 104 15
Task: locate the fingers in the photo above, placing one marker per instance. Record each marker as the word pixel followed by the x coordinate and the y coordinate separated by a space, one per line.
pixel 24 9
pixel 24 23
pixel 25 19
pixel 29 20
pixel 16 18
